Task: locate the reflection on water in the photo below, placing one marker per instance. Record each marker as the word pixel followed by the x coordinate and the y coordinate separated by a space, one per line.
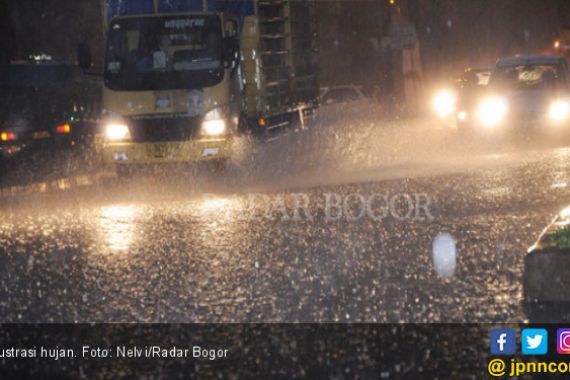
pixel 218 207
pixel 560 167
pixel 214 221
pixel 221 222
pixel 117 224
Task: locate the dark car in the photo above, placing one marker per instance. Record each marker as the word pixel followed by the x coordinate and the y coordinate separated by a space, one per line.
pixel 523 91
pixel 469 88
pixel 46 110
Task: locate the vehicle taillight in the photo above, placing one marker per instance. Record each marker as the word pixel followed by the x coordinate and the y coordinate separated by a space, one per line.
pixel 63 129
pixel 7 136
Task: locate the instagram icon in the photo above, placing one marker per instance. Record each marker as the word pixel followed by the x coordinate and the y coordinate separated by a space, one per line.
pixel 563 341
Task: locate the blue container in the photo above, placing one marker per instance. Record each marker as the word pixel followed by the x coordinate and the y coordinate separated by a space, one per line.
pixel 174 6
pixel 239 8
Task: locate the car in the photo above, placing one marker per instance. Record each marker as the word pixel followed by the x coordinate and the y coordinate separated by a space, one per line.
pixel 546 284
pixel 456 100
pixel 523 91
pixel 46 108
pixel 469 87
pixel 348 101
pixel 345 94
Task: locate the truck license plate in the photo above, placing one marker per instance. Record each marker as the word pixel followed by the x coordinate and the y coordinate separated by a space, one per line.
pixel 210 152
pixel 39 135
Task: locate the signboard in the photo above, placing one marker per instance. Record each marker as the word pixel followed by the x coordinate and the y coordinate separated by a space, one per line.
pixel 402 36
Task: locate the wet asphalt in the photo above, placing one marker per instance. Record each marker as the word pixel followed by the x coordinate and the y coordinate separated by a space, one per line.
pixel 264 240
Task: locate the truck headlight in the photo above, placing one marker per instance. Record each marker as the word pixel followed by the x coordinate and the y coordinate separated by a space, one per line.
pixel 492 112
pixel 214 123
pixel 559 111
pixel 444 103
pixel 117 132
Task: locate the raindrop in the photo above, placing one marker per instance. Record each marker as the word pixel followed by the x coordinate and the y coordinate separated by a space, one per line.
pixel 444 255
pixel 526 33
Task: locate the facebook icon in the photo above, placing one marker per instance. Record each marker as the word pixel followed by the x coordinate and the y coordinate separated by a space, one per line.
pixel 503 342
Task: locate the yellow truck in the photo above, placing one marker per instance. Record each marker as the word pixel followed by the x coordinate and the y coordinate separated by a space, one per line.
pixel 183 78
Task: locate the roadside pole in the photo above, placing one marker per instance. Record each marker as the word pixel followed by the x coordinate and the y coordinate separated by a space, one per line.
pixel 407 69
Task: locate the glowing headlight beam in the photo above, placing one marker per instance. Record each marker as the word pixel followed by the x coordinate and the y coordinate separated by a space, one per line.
pixel 492 112
pixel 214 127
pixel 214 123
pixel 117 132
pixel 444 103
pixel 559 112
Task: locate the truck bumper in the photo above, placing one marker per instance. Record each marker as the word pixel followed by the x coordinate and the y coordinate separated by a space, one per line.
pixel 128 153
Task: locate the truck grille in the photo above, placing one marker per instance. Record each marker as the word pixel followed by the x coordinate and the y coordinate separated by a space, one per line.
pixel 163 129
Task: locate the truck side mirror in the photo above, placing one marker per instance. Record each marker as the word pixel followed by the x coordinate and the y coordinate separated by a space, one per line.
pixel 230 52
pixel 84 56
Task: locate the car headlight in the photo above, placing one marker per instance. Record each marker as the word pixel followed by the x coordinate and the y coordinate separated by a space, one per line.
pixel 117 132
pixel 214 123
pixel 444 103
pixel 559 111
pixel 492 112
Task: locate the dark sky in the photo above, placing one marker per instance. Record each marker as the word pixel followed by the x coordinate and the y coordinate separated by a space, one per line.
pixel 453 33
pixel 53 27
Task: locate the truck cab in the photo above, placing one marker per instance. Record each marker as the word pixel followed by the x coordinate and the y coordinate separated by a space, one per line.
pixel 180 81
pixel 171 89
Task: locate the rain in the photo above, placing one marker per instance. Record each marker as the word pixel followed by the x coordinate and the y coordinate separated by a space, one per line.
pixel 186 242
pixel 397 161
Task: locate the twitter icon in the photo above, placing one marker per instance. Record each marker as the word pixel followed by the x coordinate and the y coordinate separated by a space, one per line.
pixel 534 342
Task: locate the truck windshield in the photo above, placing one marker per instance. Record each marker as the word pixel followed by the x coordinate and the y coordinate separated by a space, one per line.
pixel 528 77
pixel 159 53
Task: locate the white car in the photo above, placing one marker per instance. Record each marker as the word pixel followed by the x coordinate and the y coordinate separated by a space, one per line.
pixel 342 95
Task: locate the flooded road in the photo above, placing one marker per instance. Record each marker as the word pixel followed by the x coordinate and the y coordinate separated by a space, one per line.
pixel 333 224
